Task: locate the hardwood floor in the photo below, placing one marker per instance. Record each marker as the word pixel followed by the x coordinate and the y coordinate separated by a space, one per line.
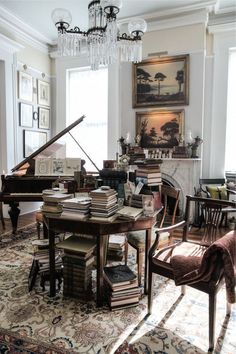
pixel 24 220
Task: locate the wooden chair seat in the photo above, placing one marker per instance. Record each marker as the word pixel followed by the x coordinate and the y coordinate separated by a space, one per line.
pixel 163 256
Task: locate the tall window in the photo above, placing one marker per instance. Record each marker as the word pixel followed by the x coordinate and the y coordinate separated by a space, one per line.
pixel 230 161
pixel 88 95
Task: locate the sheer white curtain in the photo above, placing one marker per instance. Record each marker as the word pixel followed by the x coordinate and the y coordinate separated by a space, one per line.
pixel 88 95
pixel 230 160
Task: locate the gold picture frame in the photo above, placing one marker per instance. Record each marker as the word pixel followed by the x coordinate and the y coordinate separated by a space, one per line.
pixel 160 129
pixel 161 82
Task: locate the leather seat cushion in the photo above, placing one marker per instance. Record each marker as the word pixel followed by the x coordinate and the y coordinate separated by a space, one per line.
pixel 162 257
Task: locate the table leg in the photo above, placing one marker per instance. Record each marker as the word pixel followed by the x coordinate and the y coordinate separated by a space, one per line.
pixel 51 236
pixel 147 247
pixel 101 259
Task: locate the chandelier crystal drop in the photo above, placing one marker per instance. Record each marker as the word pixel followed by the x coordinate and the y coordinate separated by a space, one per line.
pixel 102 41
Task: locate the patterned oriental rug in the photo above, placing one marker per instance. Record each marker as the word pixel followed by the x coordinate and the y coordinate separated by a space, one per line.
pixel 35 323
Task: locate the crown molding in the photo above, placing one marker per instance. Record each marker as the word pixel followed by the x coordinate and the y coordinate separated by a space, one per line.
pixel 23 32
pixel 207 6
pixel 9 45
pixel 222 27
pixel 187 19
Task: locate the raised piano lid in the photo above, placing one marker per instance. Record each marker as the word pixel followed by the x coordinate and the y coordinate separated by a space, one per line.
pixel 50 149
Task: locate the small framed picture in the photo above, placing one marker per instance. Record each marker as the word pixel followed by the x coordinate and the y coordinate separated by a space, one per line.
pixel 33 140
pixel 25 86
pixel 44 118
pixel 26 115
pixel 43 93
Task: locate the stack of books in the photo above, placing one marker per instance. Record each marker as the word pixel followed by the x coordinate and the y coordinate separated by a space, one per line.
pixel 116 247
pixel 122 287
pixel 40 263
pixel 78 261
pixel 78 207
pixel 136 201
pixel 149 174
pixel 129 213
pixel 53 202
pixel 104 204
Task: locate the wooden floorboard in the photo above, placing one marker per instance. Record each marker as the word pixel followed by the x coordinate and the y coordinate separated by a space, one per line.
pixel 23 220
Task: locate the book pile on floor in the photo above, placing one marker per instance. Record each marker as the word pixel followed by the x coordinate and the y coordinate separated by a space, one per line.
pixel 116 247
pixel 78 207
pixel 104 204
pixel 149 174
pixel 78 261
pixel 122 287
pixel 53 202
pixel 40 263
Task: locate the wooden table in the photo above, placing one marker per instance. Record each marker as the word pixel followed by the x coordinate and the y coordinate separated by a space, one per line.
pixel 101 230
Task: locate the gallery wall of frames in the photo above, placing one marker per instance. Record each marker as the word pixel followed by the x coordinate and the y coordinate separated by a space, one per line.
pixel 33 110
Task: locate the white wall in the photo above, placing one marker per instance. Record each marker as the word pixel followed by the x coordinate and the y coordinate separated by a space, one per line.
pixel 216 105
pixel 182 40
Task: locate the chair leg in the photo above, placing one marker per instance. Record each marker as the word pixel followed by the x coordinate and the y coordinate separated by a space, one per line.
pixel 126 248
pixel 183 289
pixel 38 229
pixel 228 308
pixel 140 264
pixel 1 216
pixel 150 296
pixel 212 313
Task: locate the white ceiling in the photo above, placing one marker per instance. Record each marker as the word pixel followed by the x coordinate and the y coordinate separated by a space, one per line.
pixel 37 13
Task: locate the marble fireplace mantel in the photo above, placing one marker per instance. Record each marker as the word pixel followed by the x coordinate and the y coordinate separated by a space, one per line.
pixel 183 174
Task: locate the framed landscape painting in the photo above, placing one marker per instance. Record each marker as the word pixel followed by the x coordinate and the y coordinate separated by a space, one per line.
pixel 161 82
pixel 160 129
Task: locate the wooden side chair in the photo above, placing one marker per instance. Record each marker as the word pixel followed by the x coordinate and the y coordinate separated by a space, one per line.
pixel 136 239
pixel 201 265
pixel 216 188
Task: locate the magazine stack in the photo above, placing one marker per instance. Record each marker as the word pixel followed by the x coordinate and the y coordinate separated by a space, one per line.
pixel 149 174
pixel 78 261
pixel 122 287
pixel 53 202
pixel 77 207
pixel 104 204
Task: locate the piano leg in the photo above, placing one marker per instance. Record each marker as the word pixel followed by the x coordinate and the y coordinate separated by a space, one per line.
pixel 14 212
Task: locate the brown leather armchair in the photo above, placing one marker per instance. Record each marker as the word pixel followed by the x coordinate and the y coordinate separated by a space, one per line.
pixel 203 265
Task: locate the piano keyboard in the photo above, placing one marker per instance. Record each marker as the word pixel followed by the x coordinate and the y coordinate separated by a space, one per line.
pixel 24 194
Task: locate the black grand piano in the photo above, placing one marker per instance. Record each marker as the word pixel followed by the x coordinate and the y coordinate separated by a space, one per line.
pixel 24 185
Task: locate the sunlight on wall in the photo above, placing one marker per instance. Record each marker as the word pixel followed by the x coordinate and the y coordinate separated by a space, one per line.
pixel 230 161
pixel 87 95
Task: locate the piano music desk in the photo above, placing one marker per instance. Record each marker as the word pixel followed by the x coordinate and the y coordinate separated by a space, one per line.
pixel 101 230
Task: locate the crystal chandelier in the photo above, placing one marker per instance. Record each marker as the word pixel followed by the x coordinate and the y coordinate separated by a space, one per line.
pixel 102 41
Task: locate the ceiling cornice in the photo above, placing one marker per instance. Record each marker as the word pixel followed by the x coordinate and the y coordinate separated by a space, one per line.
pixel 23 32
pixel 186 19
pixel 168 14
pixel 9 45
pixel 222 27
